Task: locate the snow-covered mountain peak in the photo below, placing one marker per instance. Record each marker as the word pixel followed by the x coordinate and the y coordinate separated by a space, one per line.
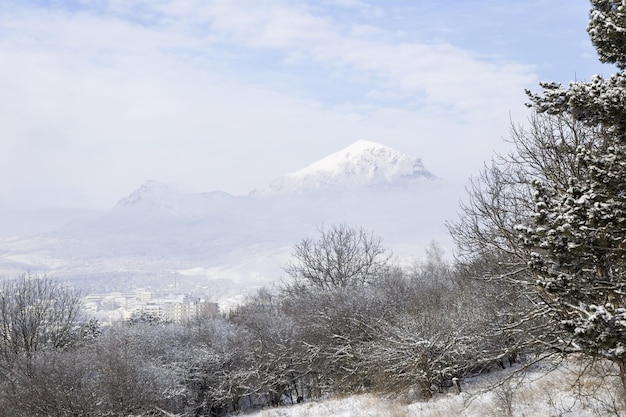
pixel 362 164
pixel 361 153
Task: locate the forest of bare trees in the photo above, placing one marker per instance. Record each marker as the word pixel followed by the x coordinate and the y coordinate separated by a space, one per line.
pixel 386 330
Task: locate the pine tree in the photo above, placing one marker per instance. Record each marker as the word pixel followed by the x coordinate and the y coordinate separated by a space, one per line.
pixel 576 235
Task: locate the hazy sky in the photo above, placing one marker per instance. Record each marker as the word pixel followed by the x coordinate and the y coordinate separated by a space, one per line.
pixel 97 97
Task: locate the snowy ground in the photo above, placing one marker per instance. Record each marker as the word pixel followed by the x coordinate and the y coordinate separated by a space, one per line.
pixel 541 393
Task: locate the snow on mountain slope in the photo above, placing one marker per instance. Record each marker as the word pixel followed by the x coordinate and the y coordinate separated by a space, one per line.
pixel 153 198
pixel 360 165
pixel 152 193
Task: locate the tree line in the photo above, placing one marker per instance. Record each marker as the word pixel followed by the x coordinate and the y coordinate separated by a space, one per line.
pixel 347 321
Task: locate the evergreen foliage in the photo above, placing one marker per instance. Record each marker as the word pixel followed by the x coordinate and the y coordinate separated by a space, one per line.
pixel 576 234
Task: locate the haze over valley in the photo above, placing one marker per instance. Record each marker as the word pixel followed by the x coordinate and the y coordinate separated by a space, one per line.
pixel 159 237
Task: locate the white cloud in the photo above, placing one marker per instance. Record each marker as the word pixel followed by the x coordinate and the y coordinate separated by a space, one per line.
pixel 100 99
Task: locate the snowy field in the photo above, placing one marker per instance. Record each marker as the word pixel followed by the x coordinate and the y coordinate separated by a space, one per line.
pixel 559 392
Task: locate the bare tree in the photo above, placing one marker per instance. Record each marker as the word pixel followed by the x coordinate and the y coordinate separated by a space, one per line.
pixel 490 244
pixel 342 257
pixel 36 313
pixel 545 226
pixel 59 383
pixel 38 319
pixel 571 231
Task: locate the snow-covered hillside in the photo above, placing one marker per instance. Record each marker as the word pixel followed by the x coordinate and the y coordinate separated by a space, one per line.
pixel 541 392
pixel 158 235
